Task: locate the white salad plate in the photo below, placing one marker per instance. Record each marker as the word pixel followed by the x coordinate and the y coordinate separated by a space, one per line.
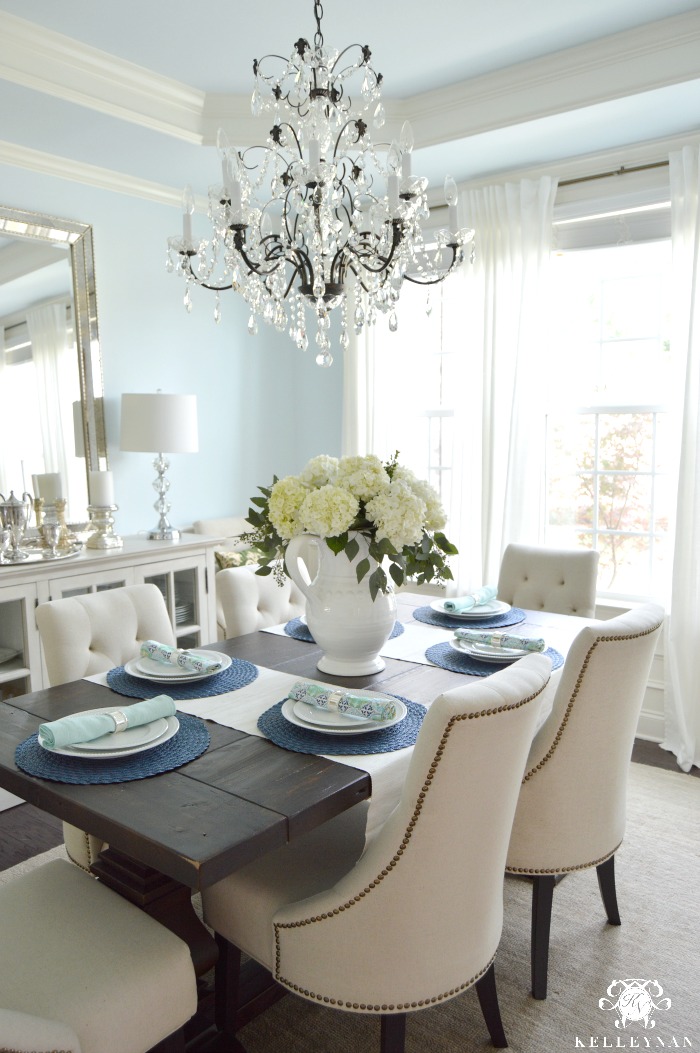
pixel 488 653
pixel 87 750
pixel 484 610
pixel 326 718
pixel 350 725
pixel 147 669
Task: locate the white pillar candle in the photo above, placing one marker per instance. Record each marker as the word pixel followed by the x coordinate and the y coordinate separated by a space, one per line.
pixel 101 487
pixel 50 487
pixel 314 155
pixel 393 192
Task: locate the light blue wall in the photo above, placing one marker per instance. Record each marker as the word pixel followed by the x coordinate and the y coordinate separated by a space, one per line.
pixel 264 407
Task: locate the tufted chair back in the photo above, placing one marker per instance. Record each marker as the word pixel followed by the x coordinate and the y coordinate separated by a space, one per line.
pixel 83 635
pixel 419 915
pixel 571 809
pixel 549 579
pixel 250 602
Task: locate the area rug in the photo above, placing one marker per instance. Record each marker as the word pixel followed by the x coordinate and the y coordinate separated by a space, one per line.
pixel 658 882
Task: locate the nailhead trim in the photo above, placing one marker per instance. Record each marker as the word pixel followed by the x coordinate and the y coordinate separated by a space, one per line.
pixel 577 688
pixel 563 870
pixel 81 866
pixel 6 1049
pixel 386 1007
pixel 384 873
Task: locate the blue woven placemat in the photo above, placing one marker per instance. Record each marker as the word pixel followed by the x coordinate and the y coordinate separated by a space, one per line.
pixel 444 655
pixel 238 674
pixel 277 729
pixel 300 630
pixel 512 617
pixel 190 741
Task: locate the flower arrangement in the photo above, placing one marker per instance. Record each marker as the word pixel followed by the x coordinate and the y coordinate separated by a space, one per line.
pixel 400 516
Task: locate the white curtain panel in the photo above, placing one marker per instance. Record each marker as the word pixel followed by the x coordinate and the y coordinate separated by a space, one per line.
pixel 682 696
pixel 53 355
pixel 498 493
pixel 5 438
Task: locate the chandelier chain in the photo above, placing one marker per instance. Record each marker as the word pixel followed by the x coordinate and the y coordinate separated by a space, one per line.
pixel 318 15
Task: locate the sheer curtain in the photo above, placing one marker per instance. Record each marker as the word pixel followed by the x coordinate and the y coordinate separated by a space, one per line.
pixel 682 718
pixel 499 473
pixel 496 308
pixel 53 356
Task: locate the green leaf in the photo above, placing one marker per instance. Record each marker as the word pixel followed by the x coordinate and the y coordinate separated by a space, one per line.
pixel 362 568
pixel 337 544
pixel 397 574
pixel 264 570
pixel 377 583
pixel 259 501
pixel 352 548
pixel 447 547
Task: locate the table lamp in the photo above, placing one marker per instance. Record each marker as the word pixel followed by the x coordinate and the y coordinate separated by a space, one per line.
pixel 160 423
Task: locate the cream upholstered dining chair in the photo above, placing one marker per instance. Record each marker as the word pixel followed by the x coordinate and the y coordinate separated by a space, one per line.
pixel 417 919
pixel 549 579
pixel 85 971
pixel 571 809
pixel 250 601
pixel 83 635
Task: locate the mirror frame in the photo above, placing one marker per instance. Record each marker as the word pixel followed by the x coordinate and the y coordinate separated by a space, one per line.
pixel 78 237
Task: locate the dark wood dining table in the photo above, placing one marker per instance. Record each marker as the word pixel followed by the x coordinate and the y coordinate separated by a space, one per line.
pixel 179 832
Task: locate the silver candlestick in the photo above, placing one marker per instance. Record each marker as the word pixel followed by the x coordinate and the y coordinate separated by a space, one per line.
pixel 102 518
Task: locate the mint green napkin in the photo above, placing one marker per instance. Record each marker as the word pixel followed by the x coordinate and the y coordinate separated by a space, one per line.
pixel 525 643
pixel 473 599
pixel 192 663
pixel 347 702
pixel 83 727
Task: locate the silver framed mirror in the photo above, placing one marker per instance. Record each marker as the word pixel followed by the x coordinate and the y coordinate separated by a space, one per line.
pixel 76 237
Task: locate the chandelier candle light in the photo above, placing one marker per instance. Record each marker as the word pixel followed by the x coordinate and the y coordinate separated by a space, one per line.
pixel 318 210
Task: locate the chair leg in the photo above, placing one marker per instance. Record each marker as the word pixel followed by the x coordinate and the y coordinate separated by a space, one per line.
pixel 226 982
pixel 393 1033
pixel 606 884
pixel 542 893
pixel 488 1000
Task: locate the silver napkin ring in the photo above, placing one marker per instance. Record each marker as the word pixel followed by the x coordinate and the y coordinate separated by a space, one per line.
pixel 120 721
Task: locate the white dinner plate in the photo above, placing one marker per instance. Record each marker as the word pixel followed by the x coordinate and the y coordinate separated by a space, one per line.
pixel 358 728
pixel 502 655
pixel 484 610
pixel 78 750
pixel 147 669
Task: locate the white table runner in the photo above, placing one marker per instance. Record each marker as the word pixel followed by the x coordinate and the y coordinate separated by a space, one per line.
pixel 240 710
pixel 409 646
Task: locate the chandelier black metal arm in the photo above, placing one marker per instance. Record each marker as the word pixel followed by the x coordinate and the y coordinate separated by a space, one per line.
pixel 321 210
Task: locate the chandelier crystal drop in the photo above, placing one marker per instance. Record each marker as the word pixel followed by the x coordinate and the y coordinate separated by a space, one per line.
pixel 318 211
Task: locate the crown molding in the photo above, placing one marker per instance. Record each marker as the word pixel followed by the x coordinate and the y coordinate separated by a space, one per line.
pixel 628 63
pixel 90 175
pixel 56 65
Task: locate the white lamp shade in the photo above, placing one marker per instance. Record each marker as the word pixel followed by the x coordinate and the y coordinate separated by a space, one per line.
pixel 159 423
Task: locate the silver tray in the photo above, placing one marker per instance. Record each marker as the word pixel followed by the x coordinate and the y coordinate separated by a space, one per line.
pixel 37 556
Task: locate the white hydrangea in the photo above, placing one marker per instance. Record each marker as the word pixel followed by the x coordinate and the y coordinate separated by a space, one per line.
pixel 319 471
pixel 328 511
pixel 398 513
pixel 365 477
pixel 286 499
pixel 435 518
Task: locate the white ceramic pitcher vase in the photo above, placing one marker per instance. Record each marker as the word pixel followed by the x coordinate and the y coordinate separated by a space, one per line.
pixel 342 617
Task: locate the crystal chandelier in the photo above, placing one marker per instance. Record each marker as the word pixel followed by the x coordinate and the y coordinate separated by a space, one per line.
pixel 317 211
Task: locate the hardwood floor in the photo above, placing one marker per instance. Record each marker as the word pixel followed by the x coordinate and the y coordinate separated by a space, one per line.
pixel 25 831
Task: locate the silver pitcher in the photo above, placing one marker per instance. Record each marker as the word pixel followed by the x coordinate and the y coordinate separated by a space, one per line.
pixel 14 516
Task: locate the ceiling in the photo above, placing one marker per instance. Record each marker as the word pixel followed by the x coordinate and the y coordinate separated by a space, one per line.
pixel 129 95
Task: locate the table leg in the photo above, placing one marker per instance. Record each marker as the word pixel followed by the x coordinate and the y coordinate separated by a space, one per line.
pixel 166 900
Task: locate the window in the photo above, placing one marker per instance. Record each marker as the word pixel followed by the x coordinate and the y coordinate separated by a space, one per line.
pixel 608 420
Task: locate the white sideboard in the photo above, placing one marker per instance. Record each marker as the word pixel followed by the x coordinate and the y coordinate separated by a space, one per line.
pixel 183 570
